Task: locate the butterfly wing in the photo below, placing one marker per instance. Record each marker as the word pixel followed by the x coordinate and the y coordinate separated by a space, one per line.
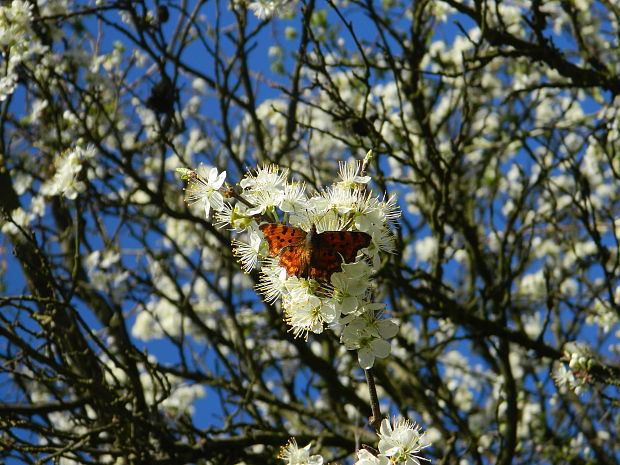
pixel 325 262
pixel 295 260
pixel 334 247
pixel 345 243
pixel 279 236
pixel 288 243
pixel 324 257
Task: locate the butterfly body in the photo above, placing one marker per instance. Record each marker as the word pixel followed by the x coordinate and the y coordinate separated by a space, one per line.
pixel 312 254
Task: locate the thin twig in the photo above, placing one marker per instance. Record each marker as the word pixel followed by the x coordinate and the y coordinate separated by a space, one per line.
pixel 376 417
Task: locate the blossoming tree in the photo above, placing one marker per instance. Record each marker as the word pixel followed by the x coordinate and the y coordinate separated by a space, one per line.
pixel 398 240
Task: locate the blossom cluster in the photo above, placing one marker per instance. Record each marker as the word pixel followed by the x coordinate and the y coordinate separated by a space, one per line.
pixel 17 43
pixel 344 301
pixel 400 442
pixel 580 361
pixel 68 181
pixel 268 9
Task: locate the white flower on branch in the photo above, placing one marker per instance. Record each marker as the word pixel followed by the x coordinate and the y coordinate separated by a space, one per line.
pixel 367 333
pixel 366 458
pixel 248 253
pixel 292 454
pixel 204 188
pixel 402 441
pixel 267 9
pixel 264 188
pixel 66 180
pixel 350 174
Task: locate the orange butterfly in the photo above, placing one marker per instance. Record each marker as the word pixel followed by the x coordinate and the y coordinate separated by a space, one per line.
pixel 311 254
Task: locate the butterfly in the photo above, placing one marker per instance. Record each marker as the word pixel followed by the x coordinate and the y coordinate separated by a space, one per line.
pixel 311 254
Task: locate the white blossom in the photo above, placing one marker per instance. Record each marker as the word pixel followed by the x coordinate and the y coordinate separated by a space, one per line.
pixel 304 311
pixel 292 454
pixel 66 180
pixel 366 458
pixel 367 333
pixel 264 188
pixel 402 441
pixel 264 9
pixel 17 41
pixel 204 188
pixel 248 253
pixel 350 174
pixel 565 378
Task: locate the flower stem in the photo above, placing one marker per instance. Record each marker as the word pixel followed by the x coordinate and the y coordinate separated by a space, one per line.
pixel 375 418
